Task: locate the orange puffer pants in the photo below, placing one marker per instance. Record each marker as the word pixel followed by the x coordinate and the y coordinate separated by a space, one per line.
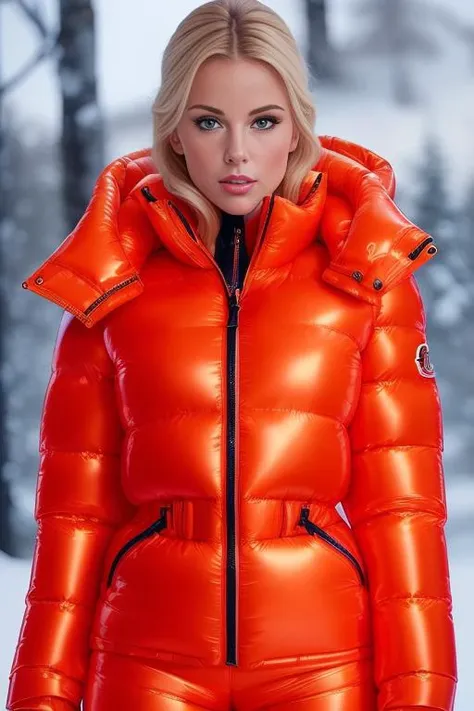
pixel 124 683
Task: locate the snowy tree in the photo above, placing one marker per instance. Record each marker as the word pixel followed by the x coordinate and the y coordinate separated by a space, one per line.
pixel 82 132
pixel 395 31
pixel 8 190
pixel 463 339
pixel 445 286
pixel 31 229
pixel 6 536
pixel 322 58
pixel 461 30
pixel 434 214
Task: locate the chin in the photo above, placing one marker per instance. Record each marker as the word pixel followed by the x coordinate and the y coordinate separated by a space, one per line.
pixel 239 206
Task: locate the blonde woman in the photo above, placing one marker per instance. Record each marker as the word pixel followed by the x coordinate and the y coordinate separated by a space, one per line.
pixel 242 348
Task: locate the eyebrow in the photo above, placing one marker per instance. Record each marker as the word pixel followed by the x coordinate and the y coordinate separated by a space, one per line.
pixel 221 113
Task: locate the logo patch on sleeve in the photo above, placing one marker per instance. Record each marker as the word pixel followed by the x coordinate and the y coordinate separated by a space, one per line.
pixel 423 363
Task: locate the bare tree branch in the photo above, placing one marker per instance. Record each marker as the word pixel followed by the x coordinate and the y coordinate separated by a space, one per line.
pixel 34 15
pixel 49 45
pixel 460 28
pixel 48 49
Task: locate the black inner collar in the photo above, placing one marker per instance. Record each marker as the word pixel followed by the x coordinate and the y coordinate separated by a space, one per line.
pixel 224 251
pixel 228 222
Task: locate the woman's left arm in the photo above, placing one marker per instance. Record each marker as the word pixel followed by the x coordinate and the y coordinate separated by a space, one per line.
pixel 396 505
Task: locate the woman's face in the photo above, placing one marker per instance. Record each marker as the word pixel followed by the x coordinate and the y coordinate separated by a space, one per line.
pixel 226 129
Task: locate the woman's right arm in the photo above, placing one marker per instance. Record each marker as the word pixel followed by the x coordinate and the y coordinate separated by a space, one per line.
pixel 79 505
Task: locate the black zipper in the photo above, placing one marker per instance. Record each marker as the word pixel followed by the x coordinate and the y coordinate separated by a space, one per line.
pixel 313 188
pixel 183 219
pixel 417 251
pixel 108 293
pixel 314 529
pixel 231 577
pixel 232 325
pixel 155 527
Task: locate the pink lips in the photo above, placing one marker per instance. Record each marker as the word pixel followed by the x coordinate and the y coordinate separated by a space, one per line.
pixel 234 188
pixel 234 176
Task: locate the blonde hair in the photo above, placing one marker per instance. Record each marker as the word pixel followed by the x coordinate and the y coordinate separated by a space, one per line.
pixel 234 29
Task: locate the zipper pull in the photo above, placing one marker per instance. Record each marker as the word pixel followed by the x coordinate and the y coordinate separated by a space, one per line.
pixel 234 308
pixel 162 522
pixel 304 515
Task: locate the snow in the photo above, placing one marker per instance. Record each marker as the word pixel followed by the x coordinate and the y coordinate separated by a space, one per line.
pixel 460 498
pixel 462 580
pixel 450 307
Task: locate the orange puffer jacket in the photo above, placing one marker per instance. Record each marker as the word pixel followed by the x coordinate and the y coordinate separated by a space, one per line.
pixel 195 444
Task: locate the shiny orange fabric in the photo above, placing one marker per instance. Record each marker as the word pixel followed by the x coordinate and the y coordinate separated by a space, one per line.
pixel 251 233
pixel 331 406
pixel 123 683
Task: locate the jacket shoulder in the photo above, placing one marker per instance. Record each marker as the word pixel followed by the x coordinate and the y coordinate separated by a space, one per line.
pixel 403 305
pixel 81 347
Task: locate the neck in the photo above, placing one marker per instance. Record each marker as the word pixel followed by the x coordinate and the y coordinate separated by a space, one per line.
pixel 253 214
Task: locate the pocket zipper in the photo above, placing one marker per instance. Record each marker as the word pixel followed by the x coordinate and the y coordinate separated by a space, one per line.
pixel 155 527
pixel 314 529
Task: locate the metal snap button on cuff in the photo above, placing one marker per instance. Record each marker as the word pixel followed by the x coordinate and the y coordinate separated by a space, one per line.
pixel 378 284
pixel 358 276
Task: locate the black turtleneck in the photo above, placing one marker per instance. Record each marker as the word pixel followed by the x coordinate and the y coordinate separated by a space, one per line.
pixel 224 251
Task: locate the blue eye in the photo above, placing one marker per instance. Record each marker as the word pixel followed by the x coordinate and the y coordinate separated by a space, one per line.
pixel 200 120
pixel 272 119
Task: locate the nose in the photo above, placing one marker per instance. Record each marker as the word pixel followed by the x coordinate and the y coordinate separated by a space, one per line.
pixel 236 151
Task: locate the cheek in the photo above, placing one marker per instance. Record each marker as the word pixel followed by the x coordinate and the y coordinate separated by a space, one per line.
pixel 274 156
pixel 199 159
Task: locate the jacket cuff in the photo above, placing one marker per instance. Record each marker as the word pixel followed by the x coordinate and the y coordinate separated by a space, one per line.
pixel 423 690
pixel 30 686
pixel 47 703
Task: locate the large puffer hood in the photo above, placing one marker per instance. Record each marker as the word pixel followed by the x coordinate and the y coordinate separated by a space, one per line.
pixel 372 245
pixel 195 444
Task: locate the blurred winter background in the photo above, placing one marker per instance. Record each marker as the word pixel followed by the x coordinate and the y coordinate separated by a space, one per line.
pixel 77 78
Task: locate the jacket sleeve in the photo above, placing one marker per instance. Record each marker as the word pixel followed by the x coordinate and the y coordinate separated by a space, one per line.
pixel 79 504
pixel 396 505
